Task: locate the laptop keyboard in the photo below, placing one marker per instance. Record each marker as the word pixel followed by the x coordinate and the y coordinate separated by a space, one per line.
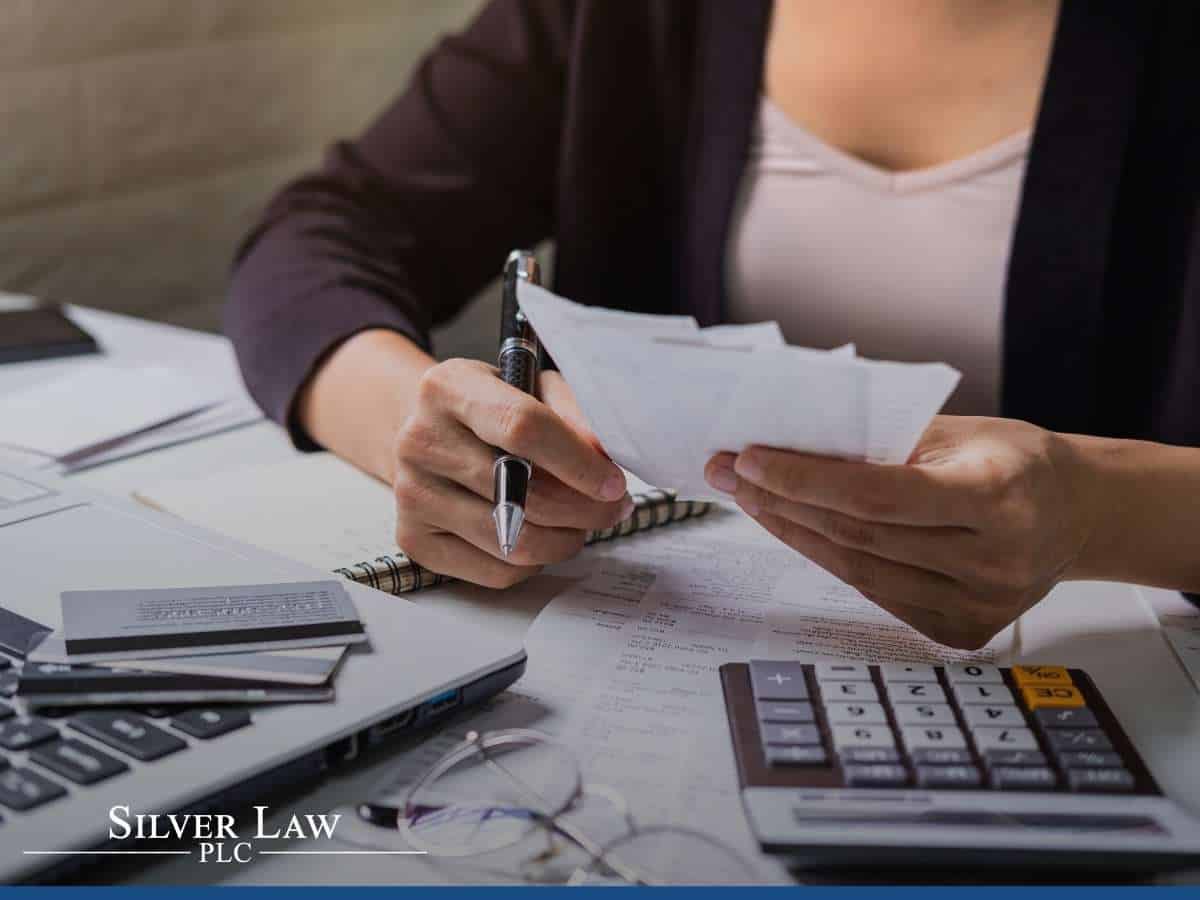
pixel 44 756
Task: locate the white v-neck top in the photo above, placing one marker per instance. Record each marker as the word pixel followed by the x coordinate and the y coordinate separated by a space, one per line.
pixel 906 265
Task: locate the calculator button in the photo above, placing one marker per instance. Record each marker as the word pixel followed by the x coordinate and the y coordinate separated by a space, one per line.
pixel 128 733
pixel 1005 778
pixel 848 690
pixel 1014 758
pixel 9 681
pixel 1089 759
pixel 862 736
pixel 1117 781
pixel 917 737
pixel 868 755
pixel 1042 676
pixel 1042 697
pixel 975 694
pixel 1069 717
pixel 6 711
pixel 778 680
pixel 5 663
pixel 1003 739
pixel 796 756
pixel 993 715
pixel 768 712
pixel 875 776
pixel 1078 739
pixel 908 672
pixel 973 673
pixel 936 756
pixel 16 734
pixel 23 789
pixel 791 735
pixel 948 777
pixel 906 692
pixel 842 671
pixel 924 714
pixel 851 713
pixel 78 761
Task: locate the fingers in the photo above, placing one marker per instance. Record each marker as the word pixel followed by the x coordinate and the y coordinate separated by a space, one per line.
pixel 941 548
pixel 902 495
pixel 427 503
pixel 501 416
pixel 935 605
pixel 451 555
pixel 447 448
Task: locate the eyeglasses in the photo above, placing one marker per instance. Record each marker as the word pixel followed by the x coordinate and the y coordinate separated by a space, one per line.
pixel 518 788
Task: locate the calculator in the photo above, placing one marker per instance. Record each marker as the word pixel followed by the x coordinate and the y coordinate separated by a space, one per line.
pixel 971 764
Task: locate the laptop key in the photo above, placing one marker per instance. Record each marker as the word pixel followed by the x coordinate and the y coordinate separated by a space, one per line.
pixel 6 711
pixel 8 684
pixel 21 734
pixel 23 789
pixel 128 733
pixel 211 723
pixel 78 761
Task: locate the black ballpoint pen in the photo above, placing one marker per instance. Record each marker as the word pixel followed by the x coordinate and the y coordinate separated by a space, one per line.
pixel 519 360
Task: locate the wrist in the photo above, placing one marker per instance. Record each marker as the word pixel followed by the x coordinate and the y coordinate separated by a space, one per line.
pixel 1098 490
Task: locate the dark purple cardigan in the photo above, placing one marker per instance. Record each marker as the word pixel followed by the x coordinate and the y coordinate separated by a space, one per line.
pixel 620 130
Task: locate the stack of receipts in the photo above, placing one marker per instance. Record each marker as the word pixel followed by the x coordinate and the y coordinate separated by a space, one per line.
pixel 663 395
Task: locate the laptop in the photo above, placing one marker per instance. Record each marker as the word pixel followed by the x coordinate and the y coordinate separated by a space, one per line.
pixel 57 792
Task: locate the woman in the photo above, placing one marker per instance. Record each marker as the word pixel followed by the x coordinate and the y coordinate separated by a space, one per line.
pixel 1009 185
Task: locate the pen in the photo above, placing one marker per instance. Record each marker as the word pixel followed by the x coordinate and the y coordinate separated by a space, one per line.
pixel 520 355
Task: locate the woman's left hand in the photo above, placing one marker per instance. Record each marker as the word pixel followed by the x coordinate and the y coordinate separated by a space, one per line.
pixel 985 518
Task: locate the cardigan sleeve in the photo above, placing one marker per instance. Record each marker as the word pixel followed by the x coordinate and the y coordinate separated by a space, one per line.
pixel 399 228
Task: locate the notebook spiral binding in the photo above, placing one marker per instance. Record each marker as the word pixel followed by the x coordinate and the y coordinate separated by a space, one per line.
pixel 397 574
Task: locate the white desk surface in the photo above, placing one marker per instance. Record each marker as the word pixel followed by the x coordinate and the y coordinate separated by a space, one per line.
pixel 1119 645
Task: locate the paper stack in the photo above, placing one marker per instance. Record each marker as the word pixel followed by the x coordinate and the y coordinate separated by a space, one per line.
pixel 663 395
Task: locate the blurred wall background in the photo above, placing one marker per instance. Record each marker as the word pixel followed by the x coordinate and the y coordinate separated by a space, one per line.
pixel 140 138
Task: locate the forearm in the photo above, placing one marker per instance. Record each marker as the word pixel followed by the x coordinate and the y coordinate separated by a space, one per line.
pixel 1145 508
pixel 355 402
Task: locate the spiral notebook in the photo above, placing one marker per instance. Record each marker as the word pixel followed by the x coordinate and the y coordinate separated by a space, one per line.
pixel 320 510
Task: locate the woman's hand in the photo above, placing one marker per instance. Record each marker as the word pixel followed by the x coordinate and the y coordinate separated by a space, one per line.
pixel 443 474
pixel 974 530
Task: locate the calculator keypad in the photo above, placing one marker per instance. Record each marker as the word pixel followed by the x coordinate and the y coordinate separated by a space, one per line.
pixel 968 726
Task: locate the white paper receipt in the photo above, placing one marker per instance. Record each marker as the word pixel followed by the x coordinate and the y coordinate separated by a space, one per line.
pixel 115 624
pixel 663 395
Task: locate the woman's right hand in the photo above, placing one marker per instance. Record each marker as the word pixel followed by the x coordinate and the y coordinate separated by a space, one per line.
pixel 443 475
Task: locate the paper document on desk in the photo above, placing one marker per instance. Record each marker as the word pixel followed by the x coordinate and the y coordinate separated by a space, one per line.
pixel 623 664
pixel 663 395
pixel 96 405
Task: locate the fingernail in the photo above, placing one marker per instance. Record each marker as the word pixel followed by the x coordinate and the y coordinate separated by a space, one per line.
pixel 749 467
pixel 723 479
pixel 613 487
pixel 627 508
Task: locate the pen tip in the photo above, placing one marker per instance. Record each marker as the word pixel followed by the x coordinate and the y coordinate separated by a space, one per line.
pixel 509 518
